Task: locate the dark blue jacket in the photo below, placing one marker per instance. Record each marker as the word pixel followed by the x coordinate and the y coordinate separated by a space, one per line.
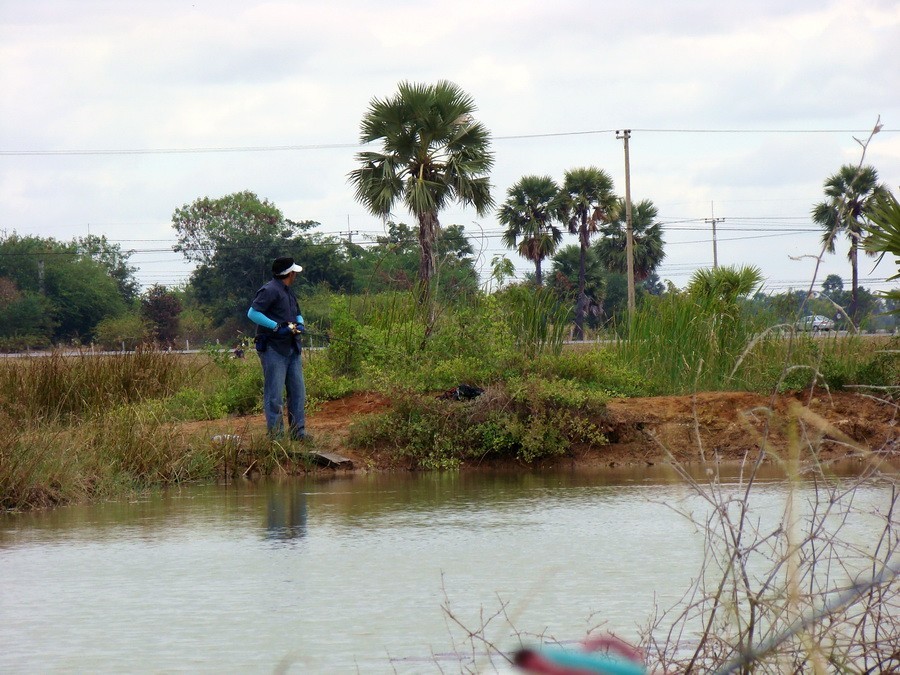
pixel 277 301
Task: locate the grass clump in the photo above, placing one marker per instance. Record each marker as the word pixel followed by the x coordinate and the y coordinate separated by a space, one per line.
pixel 60 388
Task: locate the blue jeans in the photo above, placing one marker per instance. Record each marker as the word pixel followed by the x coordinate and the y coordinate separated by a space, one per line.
pixel 283 373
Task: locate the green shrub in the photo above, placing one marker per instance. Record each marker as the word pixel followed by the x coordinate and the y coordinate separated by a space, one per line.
pixel 527 421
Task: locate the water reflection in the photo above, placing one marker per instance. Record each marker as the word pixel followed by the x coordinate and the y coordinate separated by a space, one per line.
pixel 209 579
pixel 286 512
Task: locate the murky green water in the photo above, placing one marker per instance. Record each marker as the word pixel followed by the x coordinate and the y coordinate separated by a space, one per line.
pixel 341 575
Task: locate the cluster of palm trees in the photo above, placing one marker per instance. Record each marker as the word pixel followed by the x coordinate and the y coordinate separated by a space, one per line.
pixel 433 151
pixel 586 205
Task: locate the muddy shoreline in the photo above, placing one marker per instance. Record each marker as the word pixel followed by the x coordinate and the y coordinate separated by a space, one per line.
pixel 721 426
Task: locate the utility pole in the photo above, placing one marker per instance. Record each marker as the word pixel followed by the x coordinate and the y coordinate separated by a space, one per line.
pixel 629 235
pixel 714 220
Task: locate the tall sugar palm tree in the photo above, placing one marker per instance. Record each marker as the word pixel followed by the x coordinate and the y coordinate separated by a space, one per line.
pixel 648 241
pixel 527 214
pixel 432 152
pixel 850 194
pixel 586 201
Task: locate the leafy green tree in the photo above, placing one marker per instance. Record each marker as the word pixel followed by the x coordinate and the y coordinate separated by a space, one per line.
pixel 127 331
pixel 646 236
pixel 833 285
pixel 586 201
pixel 234 240
pixel 432 152
pixel 324 260
pixel 25 316
pixel 208 228
pixel 66 289
pixel 455 263
pixel 527 213
pixel 392 263
pixel 82 293
pixel 161 308
pixel 851 194
pixel 115 260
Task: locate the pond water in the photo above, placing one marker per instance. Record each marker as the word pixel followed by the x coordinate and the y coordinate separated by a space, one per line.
pixel 342 574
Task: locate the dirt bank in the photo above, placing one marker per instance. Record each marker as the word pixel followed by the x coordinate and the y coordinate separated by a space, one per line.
pixel 645 430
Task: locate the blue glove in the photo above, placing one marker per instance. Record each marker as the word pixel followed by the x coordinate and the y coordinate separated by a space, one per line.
pixel 283 328
pixel 301 326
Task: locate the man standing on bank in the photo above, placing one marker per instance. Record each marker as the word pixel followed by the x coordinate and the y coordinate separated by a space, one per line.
pixel 278 328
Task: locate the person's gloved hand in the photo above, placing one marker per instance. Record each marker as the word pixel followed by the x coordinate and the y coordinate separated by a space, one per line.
pixel 301 327
pixel 284 328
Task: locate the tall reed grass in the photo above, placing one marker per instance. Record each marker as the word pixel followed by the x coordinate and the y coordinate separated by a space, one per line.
pixel 687 343
pixel 89 426
pixel 61 387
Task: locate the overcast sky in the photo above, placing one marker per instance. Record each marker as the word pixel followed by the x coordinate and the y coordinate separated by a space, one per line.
pixel 739 110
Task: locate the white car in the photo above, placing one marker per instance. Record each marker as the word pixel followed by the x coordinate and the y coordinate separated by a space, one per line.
pixel 815 323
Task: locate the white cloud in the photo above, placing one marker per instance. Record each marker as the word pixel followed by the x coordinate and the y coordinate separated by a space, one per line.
pixel 102 75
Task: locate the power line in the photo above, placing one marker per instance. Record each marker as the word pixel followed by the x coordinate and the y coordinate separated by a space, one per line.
pixel 344 146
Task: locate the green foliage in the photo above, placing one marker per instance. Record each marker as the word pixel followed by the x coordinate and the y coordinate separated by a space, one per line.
pixel 348 345
pixel 127 329
pixel 25 317
pixel 60 291
pixel 838 361
pixel 113 260
pixel 564 279
pixel 528 214
pixel 722 287
pixel 884 238
pixel 160 308
pixel 322 384
pixel 83 295
pixel 600 370
pixel 646 238
pixel 432 153
pixel 527 420
pixel 194 325
pixel 852 194
pixel 537 320
pixel 688 342
pixel 585 201
pixel 241 391
pixel 58 388
pixel 234 240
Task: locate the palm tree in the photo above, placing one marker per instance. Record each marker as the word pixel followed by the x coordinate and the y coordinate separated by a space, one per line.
pixel 527 214
pixel 586 201
pixel 884 237
pixel 723 286
pixel 647 236
pixel 850 194
pixel 432 152
pixel 563 278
